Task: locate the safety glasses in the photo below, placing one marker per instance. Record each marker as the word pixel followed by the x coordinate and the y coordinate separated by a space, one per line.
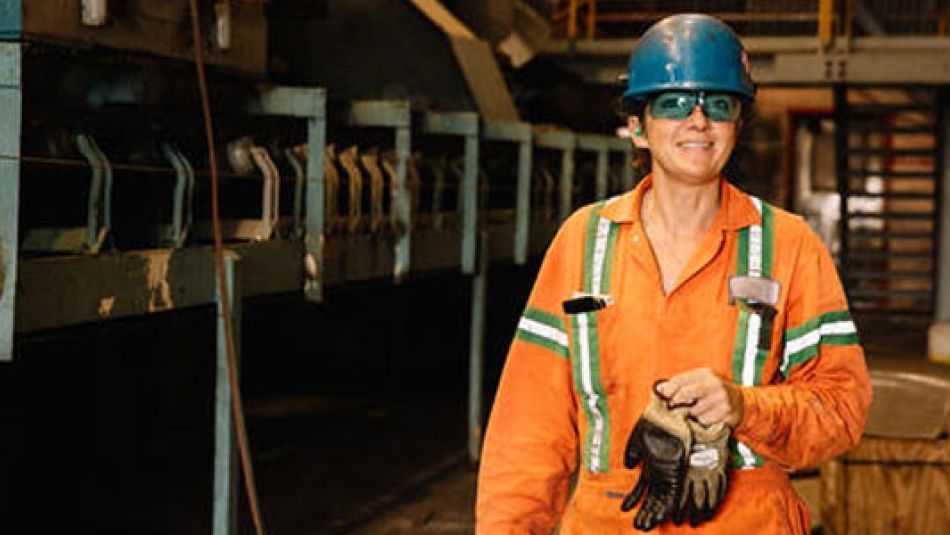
pixel 679 105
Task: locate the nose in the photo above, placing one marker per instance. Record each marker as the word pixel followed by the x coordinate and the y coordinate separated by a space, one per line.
pixel 698 118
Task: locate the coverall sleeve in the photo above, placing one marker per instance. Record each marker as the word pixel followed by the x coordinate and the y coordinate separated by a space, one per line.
pixel 818 407
pixel 530 447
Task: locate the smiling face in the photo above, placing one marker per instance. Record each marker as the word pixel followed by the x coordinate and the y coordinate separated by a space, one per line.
pixel 691 151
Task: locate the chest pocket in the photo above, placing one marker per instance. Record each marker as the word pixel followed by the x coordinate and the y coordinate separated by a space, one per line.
pixel 586 324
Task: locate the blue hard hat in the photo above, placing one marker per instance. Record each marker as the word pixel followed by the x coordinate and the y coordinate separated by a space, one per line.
pixel 688 52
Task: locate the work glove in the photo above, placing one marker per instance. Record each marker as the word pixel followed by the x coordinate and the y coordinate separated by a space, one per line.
pixel 707 477
pixel 661 441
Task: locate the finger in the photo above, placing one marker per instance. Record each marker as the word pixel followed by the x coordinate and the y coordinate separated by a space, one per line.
pixel 632 453
pixel 682 510
pixel 701 406
pixel 646 516
pixel 721 494
pixel 710 416
pixel 685 396
pixel 634 497
pixel 699 495
pixel 629 502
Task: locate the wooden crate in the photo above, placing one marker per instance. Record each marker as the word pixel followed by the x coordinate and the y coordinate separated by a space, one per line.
pixel 888 486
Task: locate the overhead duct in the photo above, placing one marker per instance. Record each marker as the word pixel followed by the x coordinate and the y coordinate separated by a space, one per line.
pixel 393 49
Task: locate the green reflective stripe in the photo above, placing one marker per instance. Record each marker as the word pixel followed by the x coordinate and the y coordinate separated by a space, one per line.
pixel 552 320
pixel 584 356
pixel 600 442
pixel 738 351
pixel 755 258
pixel 768 239
pixel 742 252
pixel 802 343
pixel 611 238
pixel 543 329
pixel 599 244
pixel 590 243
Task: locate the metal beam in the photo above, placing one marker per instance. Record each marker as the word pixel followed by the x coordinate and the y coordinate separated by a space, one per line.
pixel 599 145
pixel 63 291
pixel 519 133
pixel 563 141
pixel 465 124
pixel 476 357
pixel 307 103
pixel 395 114
pixel 224 508
pixel 11 102
pixel 790 60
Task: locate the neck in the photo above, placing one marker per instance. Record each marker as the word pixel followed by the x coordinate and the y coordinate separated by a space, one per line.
pixel 682 210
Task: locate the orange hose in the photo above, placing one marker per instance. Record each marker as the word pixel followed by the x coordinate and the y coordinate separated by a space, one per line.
pixel 237 412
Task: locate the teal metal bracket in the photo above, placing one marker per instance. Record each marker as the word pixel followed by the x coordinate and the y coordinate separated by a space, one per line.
pixel 307 103
pixel 465 124
pixel 224 504
pixel 520 133
pixel 174 234
pixel 99 204
pixel 563 141
pixel 11 104
pixel 87 239
pixel 395 114
pixel 298 164
pixel 598 144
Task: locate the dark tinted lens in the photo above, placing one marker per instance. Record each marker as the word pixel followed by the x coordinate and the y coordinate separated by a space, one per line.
pixel 673 105
pixel 721 107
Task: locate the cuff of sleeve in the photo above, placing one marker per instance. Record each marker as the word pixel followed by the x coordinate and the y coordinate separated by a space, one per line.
pixel 755 425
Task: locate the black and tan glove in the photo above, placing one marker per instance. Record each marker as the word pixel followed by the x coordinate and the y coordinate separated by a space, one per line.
pixel 707 477
pixel 661 441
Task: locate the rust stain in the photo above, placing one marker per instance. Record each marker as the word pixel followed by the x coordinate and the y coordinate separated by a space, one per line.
pixel 106 304
pixel 156 279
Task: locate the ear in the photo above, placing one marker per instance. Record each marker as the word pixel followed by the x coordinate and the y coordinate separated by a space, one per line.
pixel 637 132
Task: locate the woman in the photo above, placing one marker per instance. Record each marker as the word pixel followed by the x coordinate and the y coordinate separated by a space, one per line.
pixel 684 290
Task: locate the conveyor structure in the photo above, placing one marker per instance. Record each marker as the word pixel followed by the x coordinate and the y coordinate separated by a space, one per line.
pixel 104 181
pixel 105 196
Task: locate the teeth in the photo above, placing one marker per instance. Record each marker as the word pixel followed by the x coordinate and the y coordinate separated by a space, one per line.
pixel 696 145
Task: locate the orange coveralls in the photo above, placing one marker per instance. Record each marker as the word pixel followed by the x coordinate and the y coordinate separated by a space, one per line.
pixel 574 385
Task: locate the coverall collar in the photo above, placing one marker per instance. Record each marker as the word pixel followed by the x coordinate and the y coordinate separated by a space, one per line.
pixel 737 208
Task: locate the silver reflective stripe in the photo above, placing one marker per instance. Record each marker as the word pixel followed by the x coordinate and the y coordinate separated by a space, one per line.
pixel 751 349
pixel 553 334
pixel 591 397
pixel 813 337
pixel 600 250
pixel 753 327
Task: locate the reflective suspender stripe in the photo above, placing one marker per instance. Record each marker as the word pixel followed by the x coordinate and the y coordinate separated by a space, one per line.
pixel 754 257
pixel 599 243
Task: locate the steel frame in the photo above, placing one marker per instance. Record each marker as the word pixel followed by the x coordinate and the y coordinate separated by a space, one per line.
pixel 11 103
pixel 464 124
pixel 393 114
